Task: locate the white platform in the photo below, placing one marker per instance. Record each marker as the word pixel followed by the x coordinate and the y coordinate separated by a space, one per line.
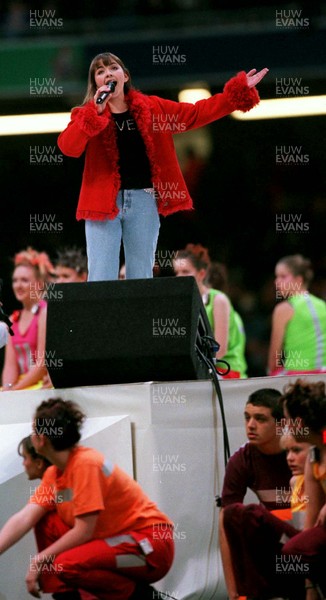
pixel 169 436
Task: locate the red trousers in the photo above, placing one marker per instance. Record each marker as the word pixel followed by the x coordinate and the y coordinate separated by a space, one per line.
pixel 254 536
pixel 108 568
pixel 309 547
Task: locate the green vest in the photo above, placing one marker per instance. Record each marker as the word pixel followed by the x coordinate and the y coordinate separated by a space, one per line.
pixel 304 346
pixel 235 354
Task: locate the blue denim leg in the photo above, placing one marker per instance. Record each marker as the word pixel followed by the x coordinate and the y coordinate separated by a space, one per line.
pixel 140 229
pixel 137 225
pixel 103 242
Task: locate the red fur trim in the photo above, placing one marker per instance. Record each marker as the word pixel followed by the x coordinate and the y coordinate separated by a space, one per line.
pixel 138 105
pixel 89 120
pixel 110 142
pixel 239 94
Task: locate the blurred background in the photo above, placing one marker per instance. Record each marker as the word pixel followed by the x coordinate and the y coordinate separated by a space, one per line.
pixel 252 204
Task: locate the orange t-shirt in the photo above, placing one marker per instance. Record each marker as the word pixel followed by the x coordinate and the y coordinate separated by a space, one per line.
pixel 90 484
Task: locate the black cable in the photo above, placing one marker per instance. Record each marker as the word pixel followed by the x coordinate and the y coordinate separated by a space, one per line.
pixel 212 372
pixel 214 347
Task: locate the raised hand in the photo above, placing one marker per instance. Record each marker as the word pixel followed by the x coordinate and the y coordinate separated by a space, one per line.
pixel 253 77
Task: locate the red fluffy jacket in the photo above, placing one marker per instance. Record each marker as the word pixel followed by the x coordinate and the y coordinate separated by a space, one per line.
pixel 157 120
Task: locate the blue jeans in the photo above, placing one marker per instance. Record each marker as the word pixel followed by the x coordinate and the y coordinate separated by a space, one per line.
pixel 137 226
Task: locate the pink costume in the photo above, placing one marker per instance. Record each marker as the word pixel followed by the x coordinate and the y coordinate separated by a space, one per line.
pixel 25 345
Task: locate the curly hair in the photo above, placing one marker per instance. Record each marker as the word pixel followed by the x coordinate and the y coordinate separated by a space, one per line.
pixel 308 401
pixel 60 421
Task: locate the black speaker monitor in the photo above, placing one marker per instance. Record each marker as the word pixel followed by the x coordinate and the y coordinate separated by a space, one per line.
pixel 128 331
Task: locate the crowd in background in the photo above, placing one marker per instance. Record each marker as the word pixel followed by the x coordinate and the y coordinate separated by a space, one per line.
pixel 86 16
pixel 34 273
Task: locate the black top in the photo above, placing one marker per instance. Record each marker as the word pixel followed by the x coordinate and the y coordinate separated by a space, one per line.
pixel 134 165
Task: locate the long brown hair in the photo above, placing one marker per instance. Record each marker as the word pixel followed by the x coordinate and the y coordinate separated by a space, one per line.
pixel 106 59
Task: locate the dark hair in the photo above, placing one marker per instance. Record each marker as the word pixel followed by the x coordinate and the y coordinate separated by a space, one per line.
pixel 217 276
pixel 60 421
pixel 25 445
pixel 72 258
pixel 106 59
pixel 308 401
pixel 196 254
pixel 299 267
pixel 270 398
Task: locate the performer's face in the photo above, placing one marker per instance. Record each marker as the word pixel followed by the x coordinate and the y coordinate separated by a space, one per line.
pixel 68 275
pixel 296 454
pixel 286 283
pixel 111 72
pixel 260 425
pixel 25 285
pixel 32 466
pixel 183 267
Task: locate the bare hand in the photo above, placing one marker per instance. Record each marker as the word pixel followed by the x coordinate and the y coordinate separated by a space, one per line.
pixel 253 77
pixel 101 107
pixel 47 383
pixel 31 580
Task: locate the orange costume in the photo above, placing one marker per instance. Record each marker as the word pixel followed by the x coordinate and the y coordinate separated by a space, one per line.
pixel 310 544
pixel 132 540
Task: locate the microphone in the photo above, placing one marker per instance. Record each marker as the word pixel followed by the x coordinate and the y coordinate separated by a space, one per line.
pixel 104 95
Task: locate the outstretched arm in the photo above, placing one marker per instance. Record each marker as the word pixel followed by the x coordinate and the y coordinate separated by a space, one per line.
pixel 19 524
pixel 239 93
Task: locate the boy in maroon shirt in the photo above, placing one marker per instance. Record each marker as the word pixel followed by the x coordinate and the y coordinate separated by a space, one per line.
pixel 250 534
